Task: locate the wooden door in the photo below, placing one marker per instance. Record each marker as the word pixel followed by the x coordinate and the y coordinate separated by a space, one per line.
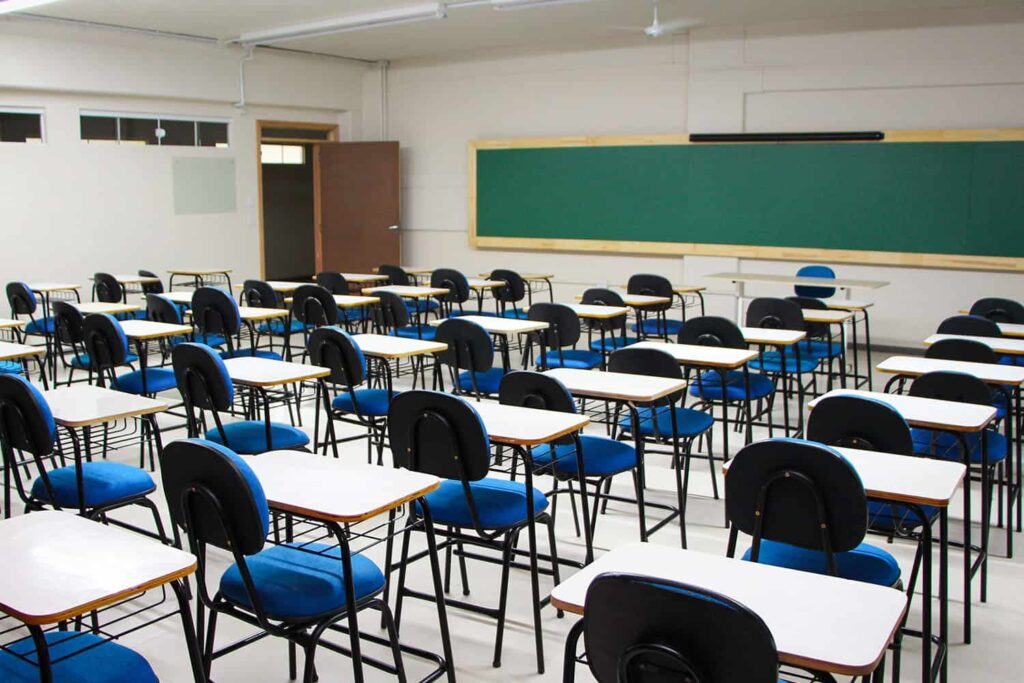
pixel 358 206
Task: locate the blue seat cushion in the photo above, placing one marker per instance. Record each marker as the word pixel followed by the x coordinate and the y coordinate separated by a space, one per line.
pixel 865 563
pixel 374 402
pixel 250 436
pixel 945 445
pixel 424 332
pixel 611 343
pixel 83 361
pixel 157 380
pixel 655 326
pixel 710 386
pixel 294 584
pixel 689 422
pixel 1011 360
pixel 500 503
pixel 601 456
pixel 515 314
pixel 819 349
pixel 293 326
pixel 1000 400
pixel 249 353
pixel 773 363
pixel 353 315
pixel 132 315
pixel 214 340
pixel 487 381
pixel 572 358
pixel 425 306
pixel 890 517
pixel 40 326
pixel 104 661
pixel 10 367
pixel 103 482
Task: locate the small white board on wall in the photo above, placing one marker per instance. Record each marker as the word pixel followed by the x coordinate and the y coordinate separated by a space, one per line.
pixel 204 185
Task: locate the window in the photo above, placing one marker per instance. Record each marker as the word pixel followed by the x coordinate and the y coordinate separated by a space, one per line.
pixel 282 154
pixel 164 131
pixel 21 125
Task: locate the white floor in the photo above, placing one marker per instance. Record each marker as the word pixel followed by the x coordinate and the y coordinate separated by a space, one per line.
pixel 992 656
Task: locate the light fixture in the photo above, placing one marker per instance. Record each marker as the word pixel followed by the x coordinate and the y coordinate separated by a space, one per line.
pixel 503 5
pixel 8 6
pixel 351 22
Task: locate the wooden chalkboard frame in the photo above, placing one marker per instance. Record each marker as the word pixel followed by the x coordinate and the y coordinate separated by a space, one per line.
pixel 913 260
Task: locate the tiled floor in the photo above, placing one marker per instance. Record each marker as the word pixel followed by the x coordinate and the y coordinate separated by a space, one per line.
pixel 992 656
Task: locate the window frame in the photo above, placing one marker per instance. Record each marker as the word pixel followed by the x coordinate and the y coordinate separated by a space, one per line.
pixel 117 116
pixel 32 111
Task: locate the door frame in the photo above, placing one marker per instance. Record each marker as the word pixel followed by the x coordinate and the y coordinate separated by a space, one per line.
pixel 332 136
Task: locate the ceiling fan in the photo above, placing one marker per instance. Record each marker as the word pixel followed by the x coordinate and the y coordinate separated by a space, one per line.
pixel 658 28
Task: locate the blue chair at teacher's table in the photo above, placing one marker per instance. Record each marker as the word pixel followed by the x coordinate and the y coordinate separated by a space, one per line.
pixel 643 629
pixel 358 403
pixel 469 358
pixel 558 340
pixel 443 435
pixel 205 385
pixel 294 591
pixel 28 434
pixel 815 291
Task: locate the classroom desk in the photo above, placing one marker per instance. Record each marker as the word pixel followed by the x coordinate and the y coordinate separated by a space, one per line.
pixel 956 418
pixel 482 285
pixel 125 280
pixel 387 348
pixel 837 318
pixel 336 494
pixel 719 359
pixel 1002 345
pixel 182 298
pixel 143 331
pixel 1009 376
pixel 250 314
pixel 48 289
pixel 84 406
pixel 857 308
pixel 633 391
pixel 818 622
pixel 58 566
pixel 15 326
pixel 253 371
pixel 11 351
pixel 199 276
pixel 351 301
pixel 504 329
pixel 916 482
pixel 91 307
pixel 364 278
pixel 741 279
pixel 783 339
pixel 1011 329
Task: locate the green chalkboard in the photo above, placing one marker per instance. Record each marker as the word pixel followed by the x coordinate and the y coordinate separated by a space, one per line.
pixel 946 198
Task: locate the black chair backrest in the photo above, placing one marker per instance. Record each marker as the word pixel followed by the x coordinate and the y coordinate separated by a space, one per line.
pixel 952 386
pixel 215 312
pixel 215 496
pixel 107 288
pixel 391 313
pixel 644 630
pixel 650 362
pixel 970 325
pixel 202 378
pixel 21 298
pixel 563 329
pixel 333 348
pixel 68 323
pixel 796 492
pixel 514 289
pixel 651 285
pixel 26 423
pixel 151 287
pixel 105 341
pixel 260 294
pixel 314 305
pixel 162 310
pixel 712 330
pixel 776 314
pixel 335 283
pixel 452 280
pixel 967 350
pixel 469 345
pixel 999 310
pixel 438 434
pixel 538 391
pixel 396 275
pixel 601 296
pixel 811 304
pixel 859 422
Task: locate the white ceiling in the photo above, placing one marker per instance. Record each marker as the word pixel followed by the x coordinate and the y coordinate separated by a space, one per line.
pixel 469 28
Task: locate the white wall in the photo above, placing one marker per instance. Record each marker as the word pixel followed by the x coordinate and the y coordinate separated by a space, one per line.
pixel 952 68
pixel 70 209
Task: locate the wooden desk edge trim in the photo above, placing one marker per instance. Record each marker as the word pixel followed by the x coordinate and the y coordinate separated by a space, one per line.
pixel 537 442
pixel 320 372
pixel 43 620
pixel 111 418
pixel 312 514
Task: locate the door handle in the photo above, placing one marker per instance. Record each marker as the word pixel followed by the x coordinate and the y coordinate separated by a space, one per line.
pixel 392 227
